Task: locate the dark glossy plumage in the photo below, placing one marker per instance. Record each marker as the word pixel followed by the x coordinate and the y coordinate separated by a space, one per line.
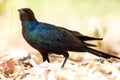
pixel 48 38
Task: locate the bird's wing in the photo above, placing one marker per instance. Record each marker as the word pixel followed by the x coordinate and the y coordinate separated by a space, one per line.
pixel 81 36
pixel 56 36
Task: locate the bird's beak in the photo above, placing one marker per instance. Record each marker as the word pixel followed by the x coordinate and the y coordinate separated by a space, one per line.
pixel 21 11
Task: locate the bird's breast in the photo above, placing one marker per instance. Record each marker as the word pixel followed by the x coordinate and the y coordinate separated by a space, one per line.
pixel 35 39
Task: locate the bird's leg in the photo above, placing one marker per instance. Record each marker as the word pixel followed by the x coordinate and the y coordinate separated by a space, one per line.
pixel 66 55
pixel 45 56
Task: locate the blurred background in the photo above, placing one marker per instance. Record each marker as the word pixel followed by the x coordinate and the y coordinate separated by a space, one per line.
pixel 98 18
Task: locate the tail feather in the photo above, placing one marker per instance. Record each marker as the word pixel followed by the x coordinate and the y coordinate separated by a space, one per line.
pixel 86 38
pixel 100 53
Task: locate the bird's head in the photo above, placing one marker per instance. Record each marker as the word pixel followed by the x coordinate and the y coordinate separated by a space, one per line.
pixel 26 14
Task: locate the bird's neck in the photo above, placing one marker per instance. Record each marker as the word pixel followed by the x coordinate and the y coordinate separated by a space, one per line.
pixel 29 21
pixel 29 25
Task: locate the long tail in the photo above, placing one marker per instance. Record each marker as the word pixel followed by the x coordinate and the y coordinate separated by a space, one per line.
pixel 86 38
pixel 100 53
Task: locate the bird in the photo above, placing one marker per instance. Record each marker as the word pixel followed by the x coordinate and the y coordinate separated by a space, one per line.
pixel 48 38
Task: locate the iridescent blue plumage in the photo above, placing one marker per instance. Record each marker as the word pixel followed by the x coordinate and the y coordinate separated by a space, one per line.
pixel 48 38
